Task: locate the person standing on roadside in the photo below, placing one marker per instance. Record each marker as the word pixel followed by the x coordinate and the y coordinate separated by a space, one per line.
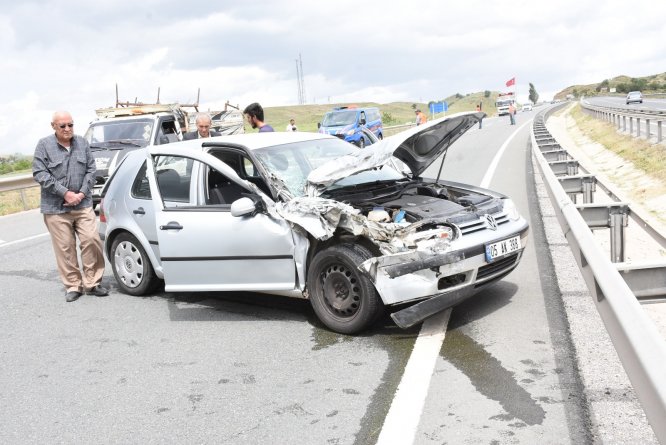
pixel 420 117
pixel 254 114
pixel 512 113
pixel 291 126
pixel 478 110
pixel 204 123
pixel 64 167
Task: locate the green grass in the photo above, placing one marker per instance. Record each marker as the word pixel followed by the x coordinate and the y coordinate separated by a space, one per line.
pixel 648 157
pixel 14 201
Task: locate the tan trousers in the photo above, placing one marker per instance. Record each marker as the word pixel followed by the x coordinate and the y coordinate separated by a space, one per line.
pixel 64 228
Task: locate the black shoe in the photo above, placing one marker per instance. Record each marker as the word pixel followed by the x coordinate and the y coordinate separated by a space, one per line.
pixel 99 291
pixel 72 296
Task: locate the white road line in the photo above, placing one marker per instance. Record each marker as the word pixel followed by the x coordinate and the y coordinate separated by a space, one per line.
pixel 404 416
pixel 9 243
pixel 493 165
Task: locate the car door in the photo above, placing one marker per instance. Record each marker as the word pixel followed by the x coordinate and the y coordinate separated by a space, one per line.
pixel 202 246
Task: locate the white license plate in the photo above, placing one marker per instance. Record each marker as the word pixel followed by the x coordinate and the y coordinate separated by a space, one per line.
pixel 502 248
pixel 101 163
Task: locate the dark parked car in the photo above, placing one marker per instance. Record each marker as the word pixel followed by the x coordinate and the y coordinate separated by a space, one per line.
pixel 310 215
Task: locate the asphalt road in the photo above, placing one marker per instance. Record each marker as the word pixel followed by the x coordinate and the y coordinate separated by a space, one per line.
pixel 239 368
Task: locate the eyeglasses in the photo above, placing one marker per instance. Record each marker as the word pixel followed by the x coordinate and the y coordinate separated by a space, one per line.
pixel 66 125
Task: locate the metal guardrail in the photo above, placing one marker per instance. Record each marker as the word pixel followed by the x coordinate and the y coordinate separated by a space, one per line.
pixel 638 343
pixel 620 117
pixel 395 129
pixel 17 183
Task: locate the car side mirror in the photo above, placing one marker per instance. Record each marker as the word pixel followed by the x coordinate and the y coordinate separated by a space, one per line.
pixel 362 121
pixel 318 125
pixel 242 207
pixel 164 139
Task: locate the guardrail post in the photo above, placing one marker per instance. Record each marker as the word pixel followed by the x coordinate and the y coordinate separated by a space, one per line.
pixel 638 127
pixel 618 221
pixel 624 123
pixel 589 186
pixel 631 125
pixel 647 129
pixel 24 200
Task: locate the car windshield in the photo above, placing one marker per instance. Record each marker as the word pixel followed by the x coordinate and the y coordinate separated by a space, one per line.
pixel 339 118
pixel 292 163
pixel 110 132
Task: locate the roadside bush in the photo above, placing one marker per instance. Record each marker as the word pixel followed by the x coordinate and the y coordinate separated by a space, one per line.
pixel 388 119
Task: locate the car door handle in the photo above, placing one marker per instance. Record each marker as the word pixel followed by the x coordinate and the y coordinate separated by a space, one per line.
pixel 171 225
pixel 139 211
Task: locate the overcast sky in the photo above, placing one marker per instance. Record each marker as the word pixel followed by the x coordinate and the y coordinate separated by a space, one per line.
pixel 70 54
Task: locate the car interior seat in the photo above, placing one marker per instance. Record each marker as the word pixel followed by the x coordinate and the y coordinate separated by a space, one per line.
pixel 170 187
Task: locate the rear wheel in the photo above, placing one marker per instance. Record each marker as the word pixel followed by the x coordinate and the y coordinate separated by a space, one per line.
pixel 343 298
pixel 131 266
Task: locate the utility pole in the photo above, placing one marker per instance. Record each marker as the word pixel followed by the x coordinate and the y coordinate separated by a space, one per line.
pixel 300 80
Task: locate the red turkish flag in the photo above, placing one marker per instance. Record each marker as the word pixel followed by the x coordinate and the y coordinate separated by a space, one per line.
pixel 511 81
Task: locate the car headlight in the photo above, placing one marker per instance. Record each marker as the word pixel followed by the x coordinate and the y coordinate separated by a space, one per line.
pixel 511 210
pixel 351 132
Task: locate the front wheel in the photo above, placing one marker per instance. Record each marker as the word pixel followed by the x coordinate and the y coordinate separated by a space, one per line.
pixel 343 298
pixel 361 143
pixel 131 266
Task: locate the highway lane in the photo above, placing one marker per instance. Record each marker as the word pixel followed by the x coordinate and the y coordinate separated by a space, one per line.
pixel 620 102
pixel 506 370
pixel 251 368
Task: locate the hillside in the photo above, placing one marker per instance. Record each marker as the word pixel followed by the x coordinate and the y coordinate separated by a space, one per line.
pixel 655 83
pixel 394 113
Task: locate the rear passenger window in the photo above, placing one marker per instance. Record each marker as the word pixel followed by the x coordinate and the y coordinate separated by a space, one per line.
pixel 141 187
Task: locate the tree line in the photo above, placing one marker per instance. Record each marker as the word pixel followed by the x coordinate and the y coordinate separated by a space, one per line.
pixel 15 163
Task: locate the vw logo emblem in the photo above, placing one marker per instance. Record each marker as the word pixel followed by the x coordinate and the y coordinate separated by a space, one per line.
pixel 490 222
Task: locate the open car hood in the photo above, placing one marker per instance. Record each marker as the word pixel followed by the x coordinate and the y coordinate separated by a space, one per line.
pixel 417 147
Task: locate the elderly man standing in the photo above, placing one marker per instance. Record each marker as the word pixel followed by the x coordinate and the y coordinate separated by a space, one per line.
pixel 204 123
pixel 64 167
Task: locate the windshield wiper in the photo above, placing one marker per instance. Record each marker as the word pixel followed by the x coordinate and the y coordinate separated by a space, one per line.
pixel 113 145
pixel 124 142
pixel 98 147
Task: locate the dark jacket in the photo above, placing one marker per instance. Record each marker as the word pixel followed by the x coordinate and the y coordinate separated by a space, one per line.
pixel 195 135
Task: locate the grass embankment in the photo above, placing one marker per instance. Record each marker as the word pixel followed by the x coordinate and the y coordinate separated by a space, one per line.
pixel 12 202
pixel 649 158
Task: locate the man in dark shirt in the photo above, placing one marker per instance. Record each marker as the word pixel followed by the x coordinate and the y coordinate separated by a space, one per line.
pixel 254 114
pixel 65 169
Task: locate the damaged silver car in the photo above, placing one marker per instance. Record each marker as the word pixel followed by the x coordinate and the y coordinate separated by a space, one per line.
pixel 355 231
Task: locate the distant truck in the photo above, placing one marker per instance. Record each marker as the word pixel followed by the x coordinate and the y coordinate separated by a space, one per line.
pixel 346 123
pixel 504 101
pixel 116 131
